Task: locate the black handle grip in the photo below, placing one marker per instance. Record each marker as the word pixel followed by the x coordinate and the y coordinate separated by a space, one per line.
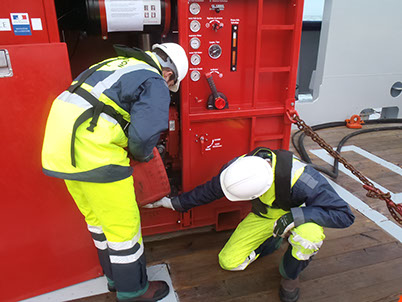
pixel 212 85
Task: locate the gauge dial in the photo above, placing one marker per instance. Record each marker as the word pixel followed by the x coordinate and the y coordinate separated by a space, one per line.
pixel 195 43
pixel 195 8
pixel 215 51
pixel 195 26
pixel 195 59
pixel 195 75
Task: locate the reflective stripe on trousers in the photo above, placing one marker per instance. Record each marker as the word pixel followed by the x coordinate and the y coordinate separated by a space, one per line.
pixel 248 241
pixel 306 240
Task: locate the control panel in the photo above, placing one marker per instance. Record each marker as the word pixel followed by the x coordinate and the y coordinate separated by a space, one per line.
pixel 220 52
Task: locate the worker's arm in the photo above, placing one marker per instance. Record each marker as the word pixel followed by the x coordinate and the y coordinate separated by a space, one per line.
pixel 323 205
pixel 203 194
pixel 149 117
pixel 200 195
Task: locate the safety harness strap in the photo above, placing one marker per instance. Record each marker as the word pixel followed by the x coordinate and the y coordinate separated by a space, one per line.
pixel 81 119
pixel 87 74
pixel 97 108
pixel 101 107
pixel 95 111
pixel 283 172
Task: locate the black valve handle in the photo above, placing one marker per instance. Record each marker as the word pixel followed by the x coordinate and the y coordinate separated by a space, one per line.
pixel 217 100
pixel 212 85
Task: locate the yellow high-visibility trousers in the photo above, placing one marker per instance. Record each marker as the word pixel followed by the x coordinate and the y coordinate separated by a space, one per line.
pixel 253 237
pixel 113 219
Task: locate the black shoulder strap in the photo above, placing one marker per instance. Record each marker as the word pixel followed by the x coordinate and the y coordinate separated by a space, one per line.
pixel 136 53
pixel 94 112
pixel 283 174
pixel 261 152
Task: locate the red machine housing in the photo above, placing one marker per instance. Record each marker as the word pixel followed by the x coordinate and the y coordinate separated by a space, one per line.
pixel 255 70
pixel 241 82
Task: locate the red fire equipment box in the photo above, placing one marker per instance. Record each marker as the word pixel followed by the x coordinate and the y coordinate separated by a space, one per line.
pixel 243 63
pixel 242 75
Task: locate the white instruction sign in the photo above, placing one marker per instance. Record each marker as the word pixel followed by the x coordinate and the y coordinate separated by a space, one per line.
pixel 152 12
pixel 124 15
pixel 5 25
pixel 36 24
pixel 216 143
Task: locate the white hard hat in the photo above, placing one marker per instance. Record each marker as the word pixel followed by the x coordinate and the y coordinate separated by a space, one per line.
pixel 247 178
pixel 178 61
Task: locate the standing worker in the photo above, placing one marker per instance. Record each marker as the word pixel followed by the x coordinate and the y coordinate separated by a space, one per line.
pixel 118 106
pixel 289 200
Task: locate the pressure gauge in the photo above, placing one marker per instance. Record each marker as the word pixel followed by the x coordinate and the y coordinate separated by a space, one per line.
pixel 195 26
pixel 215 51
pixel 195 8
pixel 195 59
pixel 195 43
pixel 195 75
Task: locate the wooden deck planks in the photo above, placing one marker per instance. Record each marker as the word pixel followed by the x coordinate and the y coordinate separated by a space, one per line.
pixel 360 263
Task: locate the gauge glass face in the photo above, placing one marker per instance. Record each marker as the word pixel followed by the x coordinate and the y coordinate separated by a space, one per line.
pixel 195 8
pixel 195 43
pixel 215 51
pixel 195 26
pixel 195 75
pixel 195 59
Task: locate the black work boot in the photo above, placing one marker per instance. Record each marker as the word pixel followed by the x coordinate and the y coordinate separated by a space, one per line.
pixel 156 291
pixel 111 288
pixel 289 290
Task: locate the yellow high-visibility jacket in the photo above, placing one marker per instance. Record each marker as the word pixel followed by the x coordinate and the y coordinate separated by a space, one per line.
pixel 139 95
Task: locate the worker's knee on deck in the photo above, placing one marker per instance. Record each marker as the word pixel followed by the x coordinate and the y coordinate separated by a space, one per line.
pixel 306 240
pixel 230 263
pixel 225 262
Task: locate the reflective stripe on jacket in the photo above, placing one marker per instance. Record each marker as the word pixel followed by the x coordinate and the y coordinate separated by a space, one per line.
pixel 135 90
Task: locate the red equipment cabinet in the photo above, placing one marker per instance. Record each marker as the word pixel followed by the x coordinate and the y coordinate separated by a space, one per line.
pixel 45 244
pixel 251 50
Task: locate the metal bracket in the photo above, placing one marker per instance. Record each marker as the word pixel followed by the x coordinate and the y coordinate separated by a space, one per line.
pixel 5 64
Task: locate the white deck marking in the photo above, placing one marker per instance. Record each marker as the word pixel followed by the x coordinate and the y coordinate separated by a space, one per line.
pixel 98 286
pixel 383 222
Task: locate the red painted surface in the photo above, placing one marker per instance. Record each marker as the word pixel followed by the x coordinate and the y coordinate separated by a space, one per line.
pixel 41 9
pixel 45 244
pixel 259 91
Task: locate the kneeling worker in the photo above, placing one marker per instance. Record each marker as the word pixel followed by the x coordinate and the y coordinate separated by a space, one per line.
pixel 289 200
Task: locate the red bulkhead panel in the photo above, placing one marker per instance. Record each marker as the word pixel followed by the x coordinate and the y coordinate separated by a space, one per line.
pixel 45 244
pixel 44 236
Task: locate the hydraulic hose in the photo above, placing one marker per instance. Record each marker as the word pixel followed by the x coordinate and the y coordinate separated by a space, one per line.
pixel 335 168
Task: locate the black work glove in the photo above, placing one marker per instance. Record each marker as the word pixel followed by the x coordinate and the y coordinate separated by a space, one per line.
pixel 283 225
